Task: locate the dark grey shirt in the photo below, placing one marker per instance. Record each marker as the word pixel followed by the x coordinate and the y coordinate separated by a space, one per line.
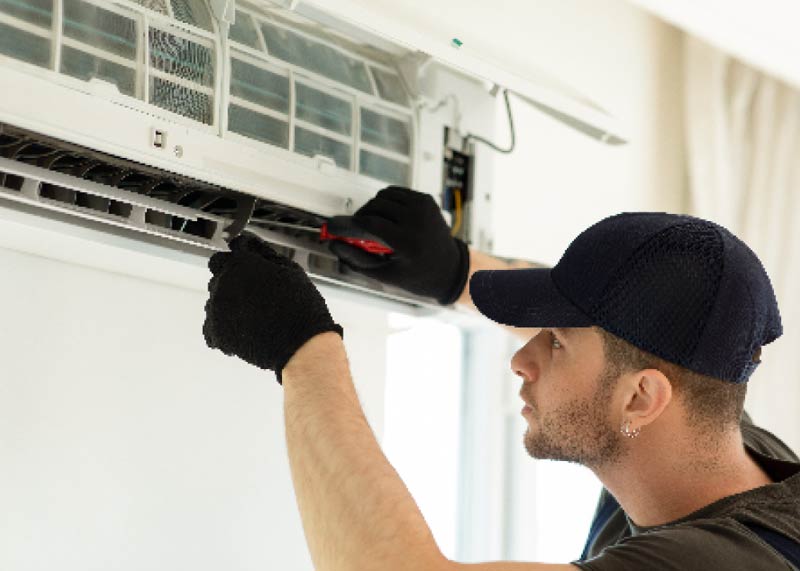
pixel 718 536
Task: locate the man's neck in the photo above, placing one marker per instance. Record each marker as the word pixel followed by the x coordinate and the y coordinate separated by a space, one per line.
pixel 659 484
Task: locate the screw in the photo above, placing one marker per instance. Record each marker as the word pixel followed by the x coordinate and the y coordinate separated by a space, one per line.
pixel 178 151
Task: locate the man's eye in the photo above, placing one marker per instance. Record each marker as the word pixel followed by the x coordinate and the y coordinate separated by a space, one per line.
pixel 554 342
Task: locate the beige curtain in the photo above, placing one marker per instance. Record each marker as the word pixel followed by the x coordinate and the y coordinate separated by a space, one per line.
pixel 743 131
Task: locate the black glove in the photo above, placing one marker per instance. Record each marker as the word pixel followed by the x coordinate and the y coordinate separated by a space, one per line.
pixel 427 260
pixel 262 307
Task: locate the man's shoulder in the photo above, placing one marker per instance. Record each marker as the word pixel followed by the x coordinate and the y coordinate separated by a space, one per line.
pixel 775 507
pixel 764 442
pixel 719 543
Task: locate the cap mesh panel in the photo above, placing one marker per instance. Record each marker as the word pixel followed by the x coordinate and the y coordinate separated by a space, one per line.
pixel 661 298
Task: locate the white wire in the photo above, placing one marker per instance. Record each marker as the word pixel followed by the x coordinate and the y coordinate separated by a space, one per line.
pixel 510 125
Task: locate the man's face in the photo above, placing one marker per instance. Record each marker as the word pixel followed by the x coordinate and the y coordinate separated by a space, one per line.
pixel 568 395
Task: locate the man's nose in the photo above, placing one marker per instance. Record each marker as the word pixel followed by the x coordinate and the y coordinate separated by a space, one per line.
pixel 523 363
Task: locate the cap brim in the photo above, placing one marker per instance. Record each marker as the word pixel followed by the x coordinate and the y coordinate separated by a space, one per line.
pixel 524 298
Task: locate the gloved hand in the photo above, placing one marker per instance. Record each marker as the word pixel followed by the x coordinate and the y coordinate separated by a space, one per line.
pixel 262 306
pixel 427 260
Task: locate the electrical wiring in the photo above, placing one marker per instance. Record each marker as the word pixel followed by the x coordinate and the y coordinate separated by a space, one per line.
pixel 457 212
pixel 492 145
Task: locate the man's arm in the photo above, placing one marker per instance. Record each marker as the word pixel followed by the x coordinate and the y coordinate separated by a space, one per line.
pixel 357 513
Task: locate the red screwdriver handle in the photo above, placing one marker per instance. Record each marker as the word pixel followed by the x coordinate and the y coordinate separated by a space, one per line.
pixel 345 231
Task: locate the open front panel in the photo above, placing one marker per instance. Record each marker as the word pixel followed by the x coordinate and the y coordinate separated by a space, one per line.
pixel 278 80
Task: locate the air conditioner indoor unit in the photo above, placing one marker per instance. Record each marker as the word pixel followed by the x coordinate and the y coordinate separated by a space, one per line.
pixel 176 120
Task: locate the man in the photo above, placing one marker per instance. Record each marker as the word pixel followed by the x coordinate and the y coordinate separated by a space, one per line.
pixel 644 336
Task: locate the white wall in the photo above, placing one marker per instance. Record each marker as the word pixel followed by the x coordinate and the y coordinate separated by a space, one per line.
pixel 558 181
pixel 422 417
pixel 125 443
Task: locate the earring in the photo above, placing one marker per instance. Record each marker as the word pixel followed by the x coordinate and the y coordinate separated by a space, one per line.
pixel 626 430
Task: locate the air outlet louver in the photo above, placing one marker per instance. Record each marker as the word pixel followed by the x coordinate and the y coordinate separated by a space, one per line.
pixel 26 178
pixel 57 176
pixel 281 82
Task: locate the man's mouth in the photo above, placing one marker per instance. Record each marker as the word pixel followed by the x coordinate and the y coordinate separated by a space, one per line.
pixel 528 408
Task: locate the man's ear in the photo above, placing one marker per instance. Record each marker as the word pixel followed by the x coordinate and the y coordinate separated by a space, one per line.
pixel 647 393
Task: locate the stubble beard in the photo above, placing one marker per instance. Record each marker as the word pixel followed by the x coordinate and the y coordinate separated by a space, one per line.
pixel 579 432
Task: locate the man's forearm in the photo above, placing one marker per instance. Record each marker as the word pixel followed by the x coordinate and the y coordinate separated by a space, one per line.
pixel 356 511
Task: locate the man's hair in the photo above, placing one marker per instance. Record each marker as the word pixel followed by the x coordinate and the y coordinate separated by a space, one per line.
pixel 711 404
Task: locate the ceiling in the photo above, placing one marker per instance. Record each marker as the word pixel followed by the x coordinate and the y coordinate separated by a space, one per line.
pixel 761 33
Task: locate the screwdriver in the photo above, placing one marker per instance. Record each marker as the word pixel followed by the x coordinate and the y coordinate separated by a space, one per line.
pixel 341 229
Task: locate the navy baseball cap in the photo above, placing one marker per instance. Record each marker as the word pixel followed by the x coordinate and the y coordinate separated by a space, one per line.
pixel 679 287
